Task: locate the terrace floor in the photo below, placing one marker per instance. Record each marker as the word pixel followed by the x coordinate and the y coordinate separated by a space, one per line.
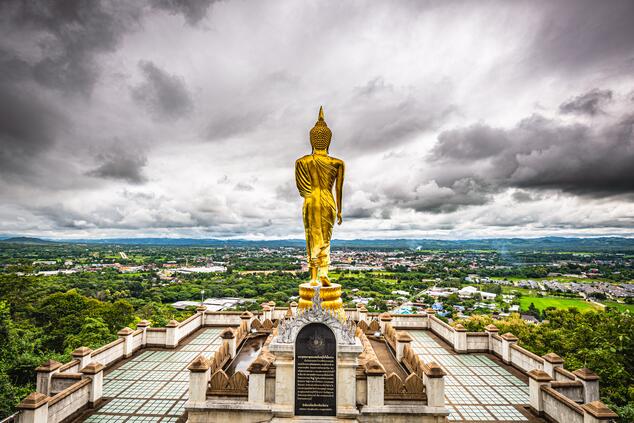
pixel 152 386
pixel 477 386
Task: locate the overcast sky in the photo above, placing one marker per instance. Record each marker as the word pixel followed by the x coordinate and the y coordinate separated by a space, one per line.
pixel 184 118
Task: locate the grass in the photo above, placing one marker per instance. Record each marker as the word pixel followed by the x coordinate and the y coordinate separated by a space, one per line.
pixel 557 302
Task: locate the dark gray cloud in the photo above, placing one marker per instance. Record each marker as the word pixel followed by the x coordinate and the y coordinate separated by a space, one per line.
pixel 589 103
pixel 193 10
pixel 70 34
pixel 120 165
pixel 28 129
pixel 583 34
pixel 165 96
pixel 54 45
pixel 542 153
pixel 380 115
pixel 524 196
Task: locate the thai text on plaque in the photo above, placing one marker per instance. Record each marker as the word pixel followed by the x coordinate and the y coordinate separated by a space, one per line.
pixel 315 371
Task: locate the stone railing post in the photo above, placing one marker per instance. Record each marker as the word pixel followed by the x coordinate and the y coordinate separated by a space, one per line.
pixel 402 339
pixel 536 379
pixel 34 408
pixel 429 312
pixel 201 309
pixel 257 380
pixel 199 375
pixel 384 318
pixel 143 325
pixel 266 312
pixel 284 378
pixel 460 339
pixel 491 330
pixel 590 381
pixel 435 385
pixel 245 320
pixel 83 355
pixel 230 336
pixel 347 363
pixel 551 362
pixel 507 340
pixel 171 334
pixel 355 314
pixel 293 307
pixel 44 375
pixel 363 313
pixel 94 372
pixel 375 377
pixel 597 412
pixel 126 335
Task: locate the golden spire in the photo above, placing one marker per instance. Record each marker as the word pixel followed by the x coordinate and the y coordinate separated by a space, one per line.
pixel 321 113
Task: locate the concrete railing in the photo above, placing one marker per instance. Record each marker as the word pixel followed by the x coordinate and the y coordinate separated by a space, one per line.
pixel 525 360
pixel 559 407
pixel 109 353
pixel 65 389
pixel 69 401
pixel 477 342
pixel 442 329
pixel 559 400
pixel 84 391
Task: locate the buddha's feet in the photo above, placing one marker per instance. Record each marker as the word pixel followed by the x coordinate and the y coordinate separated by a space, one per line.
pixel 325 281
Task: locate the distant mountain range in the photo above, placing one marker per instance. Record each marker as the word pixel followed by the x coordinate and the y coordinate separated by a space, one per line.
pixel 607 244
pixel 25 240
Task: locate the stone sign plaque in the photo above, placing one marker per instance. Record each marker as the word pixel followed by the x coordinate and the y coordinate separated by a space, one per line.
pixel 315 371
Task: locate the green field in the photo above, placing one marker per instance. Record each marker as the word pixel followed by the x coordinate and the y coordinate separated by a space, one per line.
pixel 557 302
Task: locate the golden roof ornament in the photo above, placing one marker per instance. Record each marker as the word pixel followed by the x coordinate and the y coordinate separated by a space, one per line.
pixel 320 134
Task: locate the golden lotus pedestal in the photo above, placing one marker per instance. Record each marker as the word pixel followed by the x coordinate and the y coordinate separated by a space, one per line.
pixel 330 296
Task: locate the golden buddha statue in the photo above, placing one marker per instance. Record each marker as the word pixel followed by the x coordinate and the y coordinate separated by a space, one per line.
pixel 315 176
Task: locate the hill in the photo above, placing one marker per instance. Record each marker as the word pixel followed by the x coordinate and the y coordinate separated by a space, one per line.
pixel 26 240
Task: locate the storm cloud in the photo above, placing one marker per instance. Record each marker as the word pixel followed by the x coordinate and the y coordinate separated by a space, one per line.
pixel 543 153
pixel 193 10
pixel 175 117
pixel 164 95
pixel 69 35
pixel 121 165
pixel 589 103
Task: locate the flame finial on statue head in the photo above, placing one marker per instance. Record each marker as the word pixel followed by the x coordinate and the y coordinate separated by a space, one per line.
pixel 320 135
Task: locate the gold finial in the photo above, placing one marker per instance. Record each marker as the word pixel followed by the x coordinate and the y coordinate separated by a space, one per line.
pixel 321 113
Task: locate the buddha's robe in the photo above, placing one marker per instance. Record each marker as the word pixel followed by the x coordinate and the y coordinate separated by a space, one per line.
pixel 315 175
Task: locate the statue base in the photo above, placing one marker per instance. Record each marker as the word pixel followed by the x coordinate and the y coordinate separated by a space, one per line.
pixel 330 296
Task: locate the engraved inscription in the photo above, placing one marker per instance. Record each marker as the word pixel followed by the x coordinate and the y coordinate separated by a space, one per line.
pixel 315 371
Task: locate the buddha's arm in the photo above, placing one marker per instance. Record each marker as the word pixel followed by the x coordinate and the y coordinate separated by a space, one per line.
pixel 302 179
pixel 339 189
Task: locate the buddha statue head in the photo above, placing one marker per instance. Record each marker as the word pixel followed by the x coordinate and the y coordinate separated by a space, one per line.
pixel 320 135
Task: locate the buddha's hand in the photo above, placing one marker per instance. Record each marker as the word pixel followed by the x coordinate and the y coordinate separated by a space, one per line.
pixel 339 219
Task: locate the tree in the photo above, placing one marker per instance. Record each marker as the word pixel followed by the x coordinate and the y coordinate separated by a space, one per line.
pixel 117 315
pixel 533 311
pixel 93 334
